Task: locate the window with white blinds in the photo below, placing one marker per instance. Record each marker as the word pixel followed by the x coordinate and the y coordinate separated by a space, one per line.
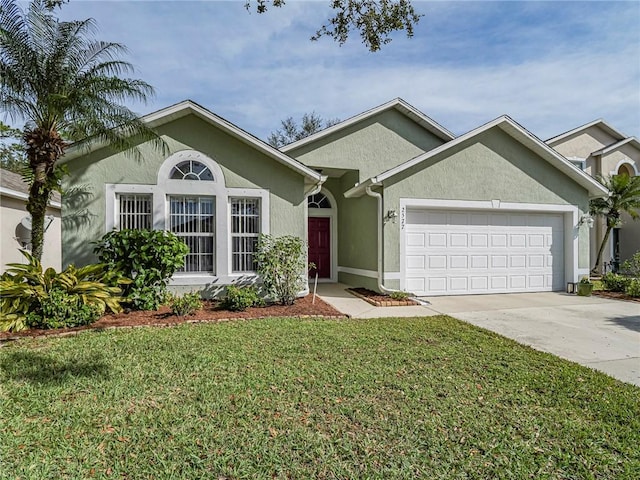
pixel 135 211
pixel 192 218
pixel 245 229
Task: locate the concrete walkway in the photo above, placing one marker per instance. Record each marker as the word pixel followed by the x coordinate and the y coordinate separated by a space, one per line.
pixel 595 332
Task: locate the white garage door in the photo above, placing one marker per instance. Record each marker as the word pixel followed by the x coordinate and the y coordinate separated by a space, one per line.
pixel 462 252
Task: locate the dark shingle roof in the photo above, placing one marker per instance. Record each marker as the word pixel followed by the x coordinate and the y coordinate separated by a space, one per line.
pixel 14 181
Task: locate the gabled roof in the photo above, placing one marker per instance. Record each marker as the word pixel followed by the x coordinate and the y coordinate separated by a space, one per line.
pixel 633 141
pixel 513 129
pixel 599 123
pixel 398 104
pixel 189 107
pixel 12 185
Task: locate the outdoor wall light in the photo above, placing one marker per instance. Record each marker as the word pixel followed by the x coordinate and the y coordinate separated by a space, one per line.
pixel 392 215
pixel 587 220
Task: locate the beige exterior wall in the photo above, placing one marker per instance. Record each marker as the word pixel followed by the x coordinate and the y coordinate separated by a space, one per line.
pixel 582 145
pixel 492 166
pixel 12 211
pixel 242 166
pixel 369 147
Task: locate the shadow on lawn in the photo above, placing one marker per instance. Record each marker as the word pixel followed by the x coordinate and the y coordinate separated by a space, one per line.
pixel 43 369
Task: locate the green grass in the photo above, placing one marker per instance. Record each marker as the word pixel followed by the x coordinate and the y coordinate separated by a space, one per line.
pixel 281 398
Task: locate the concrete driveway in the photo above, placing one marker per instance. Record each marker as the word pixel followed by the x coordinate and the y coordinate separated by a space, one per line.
pixel 592 331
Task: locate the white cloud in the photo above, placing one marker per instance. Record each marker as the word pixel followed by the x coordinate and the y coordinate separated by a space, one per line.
pixel 551 66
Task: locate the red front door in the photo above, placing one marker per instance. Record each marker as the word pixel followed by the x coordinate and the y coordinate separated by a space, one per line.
pixel 320 245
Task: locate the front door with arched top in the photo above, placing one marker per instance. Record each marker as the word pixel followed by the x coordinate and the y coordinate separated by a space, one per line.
pixel 319 235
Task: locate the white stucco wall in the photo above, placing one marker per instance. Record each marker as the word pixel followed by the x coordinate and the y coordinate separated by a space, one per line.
pixel 12 211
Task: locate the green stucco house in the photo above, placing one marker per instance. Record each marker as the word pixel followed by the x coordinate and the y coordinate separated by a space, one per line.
pixel 387 199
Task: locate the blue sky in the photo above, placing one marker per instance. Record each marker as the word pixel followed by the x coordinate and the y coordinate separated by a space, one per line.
pixel 550 65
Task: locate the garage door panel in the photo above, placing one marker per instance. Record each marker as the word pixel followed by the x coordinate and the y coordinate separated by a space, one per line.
pixel 458 284
pixel 499 282
pixel 437 239
pixel 517 240
pixel 438 284
pixel 415 239
pixel 499 261
pixel 473 252
pixel 415 262
pixel 499 240
pixel 479 240
pixel 437 262
pixel 416 284
pixel 517 261
pixel 458 261
pixel 479 261
pixel 458 240
pixel 536 281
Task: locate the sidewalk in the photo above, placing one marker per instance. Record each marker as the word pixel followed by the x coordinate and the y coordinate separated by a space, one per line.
pixel 335 295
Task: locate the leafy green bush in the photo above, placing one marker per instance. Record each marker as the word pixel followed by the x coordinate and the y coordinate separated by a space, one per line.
pixel 633 289
pixel 282 263
pixel 240 298
pixel 187 304
pixel 632 266
pixel 25 288
pixel 60 309
pixel 615 282
pixel 148 257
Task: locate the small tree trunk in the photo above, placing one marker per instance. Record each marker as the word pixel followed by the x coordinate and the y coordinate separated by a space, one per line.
pixel 43 148
pixel 597 268
pixel 37 206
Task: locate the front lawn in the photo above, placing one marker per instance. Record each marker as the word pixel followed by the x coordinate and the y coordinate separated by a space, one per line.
pixel 281 398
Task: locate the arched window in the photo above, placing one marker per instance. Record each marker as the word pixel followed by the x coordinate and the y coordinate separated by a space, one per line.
pixel 625 168
pixel 191 170
pixel 319 200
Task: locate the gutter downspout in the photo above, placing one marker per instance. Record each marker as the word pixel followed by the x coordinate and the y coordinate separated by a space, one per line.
pixel 378 196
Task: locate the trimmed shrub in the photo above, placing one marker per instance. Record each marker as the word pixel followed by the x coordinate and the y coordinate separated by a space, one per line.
pixel 615 282
pixel 239 299
pixel 633 289
pixel 187 304
pixel 60 309
pixel 148 257
pixel 282 263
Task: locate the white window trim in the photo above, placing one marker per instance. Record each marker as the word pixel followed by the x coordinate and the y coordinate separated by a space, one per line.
pixel 263 196
pixel 625 161
pixel 216 188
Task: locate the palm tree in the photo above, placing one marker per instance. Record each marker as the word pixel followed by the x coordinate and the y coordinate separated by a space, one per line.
pixel 67 87
pixel 624 196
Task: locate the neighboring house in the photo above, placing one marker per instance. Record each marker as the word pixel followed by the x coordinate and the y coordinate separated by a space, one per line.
pixel 386 199
pixel 601 150
pixel 15 220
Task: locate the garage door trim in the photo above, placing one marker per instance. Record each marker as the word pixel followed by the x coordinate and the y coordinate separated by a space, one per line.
pixel 570 215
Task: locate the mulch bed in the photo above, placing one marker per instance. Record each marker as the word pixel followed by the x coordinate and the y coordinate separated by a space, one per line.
pixel 379 300
pixel 210 313
pixel 615 295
